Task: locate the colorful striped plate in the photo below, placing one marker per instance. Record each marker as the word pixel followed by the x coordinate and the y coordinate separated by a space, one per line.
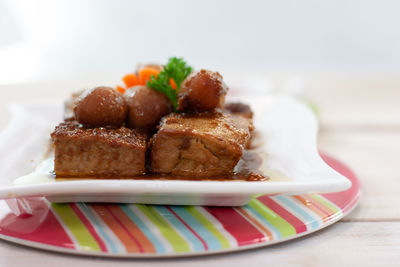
pixel 122 230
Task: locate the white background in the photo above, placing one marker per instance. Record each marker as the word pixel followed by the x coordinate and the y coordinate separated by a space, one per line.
pixel 50 39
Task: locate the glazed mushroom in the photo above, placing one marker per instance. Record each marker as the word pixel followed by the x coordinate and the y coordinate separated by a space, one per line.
pixel 202 91
pixel 101 107
pixel 146 107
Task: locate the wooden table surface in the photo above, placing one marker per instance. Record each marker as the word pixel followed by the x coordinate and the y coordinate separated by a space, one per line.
pixel 360 125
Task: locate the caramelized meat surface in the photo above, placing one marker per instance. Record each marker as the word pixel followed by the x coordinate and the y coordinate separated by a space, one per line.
pixel 201 146
pixel 98 152
pixel 239 108
pixel 242 110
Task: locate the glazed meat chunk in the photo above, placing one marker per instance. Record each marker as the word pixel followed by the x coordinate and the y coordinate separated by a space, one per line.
pixel 98 152
pixel 199 145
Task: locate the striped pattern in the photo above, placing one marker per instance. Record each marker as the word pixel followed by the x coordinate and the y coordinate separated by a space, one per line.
pixel 122 229
pixel 156 229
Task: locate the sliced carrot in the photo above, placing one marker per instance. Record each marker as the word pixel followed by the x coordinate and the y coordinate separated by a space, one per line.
pixel 145 74
pixel 130 80
pixel 172 83
pixel 120 89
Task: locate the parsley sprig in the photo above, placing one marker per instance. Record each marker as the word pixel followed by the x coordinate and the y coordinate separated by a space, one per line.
pixel 176 69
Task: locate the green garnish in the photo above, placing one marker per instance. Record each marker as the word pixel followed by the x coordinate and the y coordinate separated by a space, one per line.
pixel 176 69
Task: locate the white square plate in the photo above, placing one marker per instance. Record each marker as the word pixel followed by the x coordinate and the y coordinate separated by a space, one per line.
pixel 288 134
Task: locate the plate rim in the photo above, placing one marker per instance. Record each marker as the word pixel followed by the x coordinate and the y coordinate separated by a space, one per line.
pixel 169 187
pixel 51 248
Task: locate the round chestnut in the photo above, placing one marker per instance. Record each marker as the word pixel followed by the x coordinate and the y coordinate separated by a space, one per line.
pixel 202 91
pixel 100 107
pixel 146 107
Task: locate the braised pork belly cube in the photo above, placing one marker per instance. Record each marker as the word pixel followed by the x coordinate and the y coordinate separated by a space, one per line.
pixel 199 145
pixel 98 152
